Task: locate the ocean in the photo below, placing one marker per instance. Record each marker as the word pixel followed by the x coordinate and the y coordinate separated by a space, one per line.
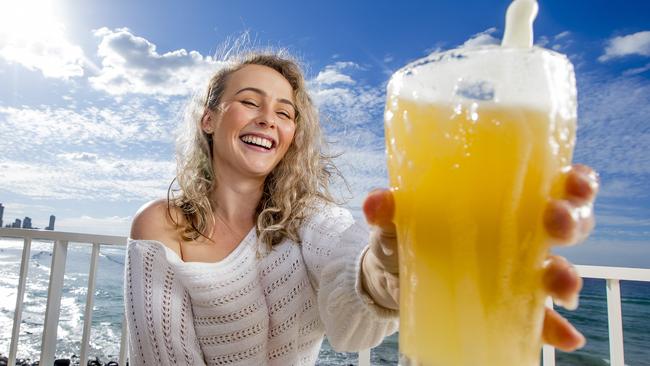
pixel 590 318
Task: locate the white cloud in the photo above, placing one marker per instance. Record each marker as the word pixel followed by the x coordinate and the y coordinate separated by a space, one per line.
pixel 542 41
pixel 557 42
pixel 352 116
pixel 613 133
pixel 351 113
pixel 103 180
pixel 484 38
pixel 631 44
pixel 329 76
pixel 342 108
pixel 332 74
pixel 342 102
pixel 33 128
pixel 15 209
pixel 618 188
pixel 562 41
pixel 561 35
pixel 621 220
pixel 32 37
pixel 111 225
pixel 364 170
pixel 609 252
pixel 82 156
pixel 132 64
pixel 637 70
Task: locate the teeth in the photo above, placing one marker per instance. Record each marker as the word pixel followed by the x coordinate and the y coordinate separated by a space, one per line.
pixel 258 141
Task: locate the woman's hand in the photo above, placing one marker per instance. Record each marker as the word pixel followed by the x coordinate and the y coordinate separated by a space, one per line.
pixel 567 220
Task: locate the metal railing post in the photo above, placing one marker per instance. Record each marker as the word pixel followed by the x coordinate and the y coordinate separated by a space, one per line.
pixel 615 322
pixel 57 270
pixel 548 352
pixel 90 297
pixel 364 357
pixel 124 347
pixel 20 295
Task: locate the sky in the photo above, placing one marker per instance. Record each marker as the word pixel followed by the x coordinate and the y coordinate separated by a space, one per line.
pixel 91 93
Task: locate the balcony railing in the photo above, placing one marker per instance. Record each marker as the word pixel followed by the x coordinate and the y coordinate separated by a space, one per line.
pixel 59 254
pixel 612 275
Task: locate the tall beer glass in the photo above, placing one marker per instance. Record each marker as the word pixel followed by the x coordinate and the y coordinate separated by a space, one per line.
pixel 476 142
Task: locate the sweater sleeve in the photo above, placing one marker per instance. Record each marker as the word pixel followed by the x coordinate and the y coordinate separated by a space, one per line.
pixel 158 310
pixel 332 246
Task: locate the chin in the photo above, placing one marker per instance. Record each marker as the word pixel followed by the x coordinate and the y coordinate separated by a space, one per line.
pixel 261 173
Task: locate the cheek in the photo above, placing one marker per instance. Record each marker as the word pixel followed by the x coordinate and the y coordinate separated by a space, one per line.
pixel 289 134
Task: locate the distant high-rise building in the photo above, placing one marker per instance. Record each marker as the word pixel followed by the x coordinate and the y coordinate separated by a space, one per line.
pixel 51 225
pixel 17 223
pixel 2 211
pixel 27 223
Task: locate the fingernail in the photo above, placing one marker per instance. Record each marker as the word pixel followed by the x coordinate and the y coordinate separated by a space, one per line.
pixel 589 179
pixel 570 303
pixel 387 251
pixel 547 262
pixel 582 341
pixel 375 190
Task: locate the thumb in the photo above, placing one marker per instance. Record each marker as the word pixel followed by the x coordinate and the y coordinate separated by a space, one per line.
pixel 379 208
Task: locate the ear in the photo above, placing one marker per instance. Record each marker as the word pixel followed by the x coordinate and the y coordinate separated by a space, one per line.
pixel 207 122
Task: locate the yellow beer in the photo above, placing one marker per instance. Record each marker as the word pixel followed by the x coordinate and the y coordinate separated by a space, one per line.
pixel 471 181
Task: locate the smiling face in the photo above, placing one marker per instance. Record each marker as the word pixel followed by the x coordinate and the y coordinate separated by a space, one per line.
pixel 254 124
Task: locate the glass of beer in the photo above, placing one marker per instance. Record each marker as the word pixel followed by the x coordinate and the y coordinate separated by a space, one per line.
pixel 477 140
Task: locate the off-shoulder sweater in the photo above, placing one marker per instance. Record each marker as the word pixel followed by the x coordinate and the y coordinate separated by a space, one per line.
pixel 251 309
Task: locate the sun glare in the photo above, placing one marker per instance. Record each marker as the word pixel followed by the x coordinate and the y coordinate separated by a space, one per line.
pixel 26 20
pixel 31 34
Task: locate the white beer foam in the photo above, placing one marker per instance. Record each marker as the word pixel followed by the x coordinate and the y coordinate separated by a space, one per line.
pixel 525 77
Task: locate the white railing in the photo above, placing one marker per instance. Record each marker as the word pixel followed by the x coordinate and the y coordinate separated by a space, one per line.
pixel 612 275
pixel 59 255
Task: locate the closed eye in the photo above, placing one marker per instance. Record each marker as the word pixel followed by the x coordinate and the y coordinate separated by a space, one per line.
pixel 249 103
pixel 285 114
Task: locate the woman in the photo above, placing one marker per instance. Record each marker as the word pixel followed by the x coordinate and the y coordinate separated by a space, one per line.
pixel 254 262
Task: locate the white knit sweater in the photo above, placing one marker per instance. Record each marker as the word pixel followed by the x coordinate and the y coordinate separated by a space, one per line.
pixel 251 310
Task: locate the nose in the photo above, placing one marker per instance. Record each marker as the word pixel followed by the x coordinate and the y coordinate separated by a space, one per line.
pixel 265 122
pixel 267 118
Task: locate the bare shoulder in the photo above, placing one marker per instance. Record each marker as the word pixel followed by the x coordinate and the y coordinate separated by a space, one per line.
pixel 153 222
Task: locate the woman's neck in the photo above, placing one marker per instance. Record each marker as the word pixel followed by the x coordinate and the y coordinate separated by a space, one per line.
pixel 235 200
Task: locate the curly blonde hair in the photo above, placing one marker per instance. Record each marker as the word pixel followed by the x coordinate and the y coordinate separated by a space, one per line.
pixel 301 178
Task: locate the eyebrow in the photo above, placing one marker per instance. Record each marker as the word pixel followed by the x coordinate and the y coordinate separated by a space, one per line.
pixel 262 92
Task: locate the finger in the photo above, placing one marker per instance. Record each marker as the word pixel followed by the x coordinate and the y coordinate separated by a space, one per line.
pixel 559 333
pixel 562 282
pixel 581 184
pixel 567 223
pixel 561 221
pixel 379 208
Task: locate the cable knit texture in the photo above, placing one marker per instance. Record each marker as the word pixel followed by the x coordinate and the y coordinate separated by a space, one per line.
pixel 252 310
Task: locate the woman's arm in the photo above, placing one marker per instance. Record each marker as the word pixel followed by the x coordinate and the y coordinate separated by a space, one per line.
pixel 332 246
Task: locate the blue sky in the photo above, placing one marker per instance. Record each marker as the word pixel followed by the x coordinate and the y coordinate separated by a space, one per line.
pixel 91 91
